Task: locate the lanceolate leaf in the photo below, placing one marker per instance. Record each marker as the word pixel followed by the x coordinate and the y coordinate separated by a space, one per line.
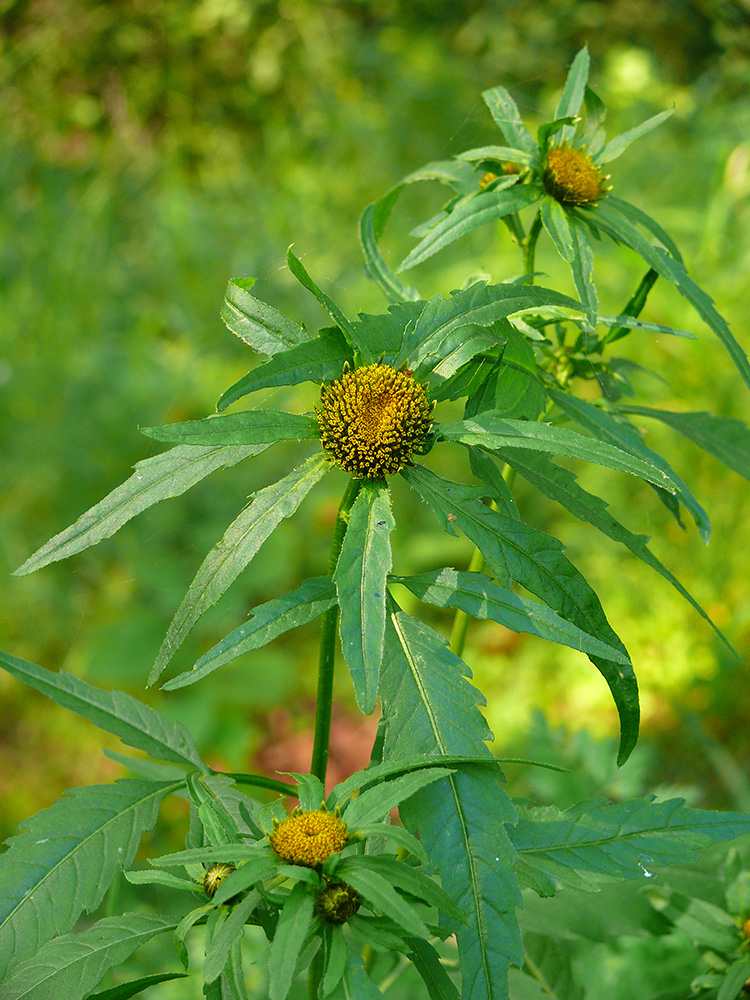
pixel 621 435
pixel 491 431
pixel 455 173
pixel 615 147
pixel 249 427
pixel 298 270
pixel 536 561
pixel 71 966
pixel 479 597
pixel 597 842
pixel 154 479
pixel 313 361
pixel 640 218
pixel 300 606
pixel 115 712
pixel 294 922
pixel 502 154
pixel 370 227
pixel 724 438
pixel 360 577
pixel 127 990
pixel 371 806
pixel 574 89
pixel 241 541
pixel 622 230
pixel 231 930
pixel 561 485
pixel 430 708
pixel 512 386
pixel 508 119
pixel 427 963
pixel 66 858
pixel 261 326
pixel 557 222
pixel 582 266
pixel 469 215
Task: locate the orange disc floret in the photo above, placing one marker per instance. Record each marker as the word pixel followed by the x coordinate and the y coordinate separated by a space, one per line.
pixel 373 420
pixel 308 837
pixel 571 177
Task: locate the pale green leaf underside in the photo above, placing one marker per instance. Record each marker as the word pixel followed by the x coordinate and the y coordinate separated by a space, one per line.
pixel 250 427
pixel 71 966
pixel 241 541
pixel 360 577
pixel 63 861
pixel 115 712
pixel 598 842
pixel 261 326
pixel 154 479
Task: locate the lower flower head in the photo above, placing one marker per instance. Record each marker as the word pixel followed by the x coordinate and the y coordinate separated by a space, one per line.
pixel 338 903
pixel 308 837
pixel 373 420
pixel 215 875
pixel 571 177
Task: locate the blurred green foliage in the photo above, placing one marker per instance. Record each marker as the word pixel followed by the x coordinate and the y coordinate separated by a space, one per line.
pixel 151 150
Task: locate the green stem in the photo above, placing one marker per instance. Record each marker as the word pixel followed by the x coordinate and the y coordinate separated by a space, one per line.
pixel 329 629
pixel 529 249
pixel 461 619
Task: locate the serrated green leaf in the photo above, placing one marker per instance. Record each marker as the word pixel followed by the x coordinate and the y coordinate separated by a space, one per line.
pixel 181 930
pixel 411 880
pixel 294 924
pixel 310 790
pixel 621 435
pixel 370 226
pixel 493 432
pixel 431 708
pixel 536 561
pixel 574 89
pixel 383 335
pixel 361 576
pixel 503 154
pixel 380 933
pixel 231 555
pixel 441 320
pixel 72 965
pixel 376 802
pixel 115 712
pixel 336 953
pixel 622 230
pixel 249 872
pixel 724 438
pixel 427 963
pixel 267 621
pixel 154 479
pixel 485 469
pixel 299 271
pixel 457 174
pixel 582 267
pixel 640 218
pixel 707 924
pixel 512 386
pixel 477 596
pixel 248 427
pixel 617 146
pixel 397 834
pixel 593 843
pixel 379 894
pixel 65 859
pixel 557 222
pixel 217 954
pixel 508 119
pixel 136 986
pixel 261 326
pixel 312 361
pixel 233 976
pixel 356 984
pixel 561 485
pixel 485 207
pixel 160 878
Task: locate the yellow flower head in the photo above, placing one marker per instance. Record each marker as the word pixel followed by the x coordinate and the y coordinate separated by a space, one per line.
pixel 308 837
pixel 572 178
pixel 373 420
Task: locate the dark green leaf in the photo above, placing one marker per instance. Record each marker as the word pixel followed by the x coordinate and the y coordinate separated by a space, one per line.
pixel 294 924
pixel 427 963
pixel 313 361
pixel 379 894
pixel 360 577
pixel 66 858
pixel 565 126
pixel 115 712
pixel 231 555
pixel 357 985
pixel 370 227
pixel 615 147
pixel 574 89
pixel 640 218
pixel 412 881
pixel 300 273
pixel 397 834
pixel 431 708
pixel 508 119
pixel 517 552
pixel 597 842
pixel 622 435
pixel 485 207
pixel 248 427
pixel 724 438
pixel 336 953
pixel 72 965
pixel 136 986
pixel 512 386
pixel 582 266
pixel 486 470
pixel 376 802
pixel 557 222
pixel 267 621
pixel 155 479
pixel 479 597
pixel 261 326
pixel 217 954
pixel 494 432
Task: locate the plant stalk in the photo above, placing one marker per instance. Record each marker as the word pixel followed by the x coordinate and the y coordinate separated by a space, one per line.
pixel 529 247
pixel 329 629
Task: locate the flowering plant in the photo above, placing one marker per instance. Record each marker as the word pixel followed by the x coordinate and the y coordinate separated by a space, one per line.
pixel 323 884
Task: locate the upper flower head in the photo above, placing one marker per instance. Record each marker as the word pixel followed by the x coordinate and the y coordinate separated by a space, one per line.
pixel 308 837
pixel 571 177
pixel 373 420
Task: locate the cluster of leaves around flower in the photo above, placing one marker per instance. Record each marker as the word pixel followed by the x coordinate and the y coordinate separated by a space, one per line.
pixel 503 348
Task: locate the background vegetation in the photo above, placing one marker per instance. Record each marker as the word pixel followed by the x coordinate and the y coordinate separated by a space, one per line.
pixel 151 150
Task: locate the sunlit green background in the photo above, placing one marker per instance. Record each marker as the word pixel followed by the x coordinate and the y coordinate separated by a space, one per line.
pixel 150 150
